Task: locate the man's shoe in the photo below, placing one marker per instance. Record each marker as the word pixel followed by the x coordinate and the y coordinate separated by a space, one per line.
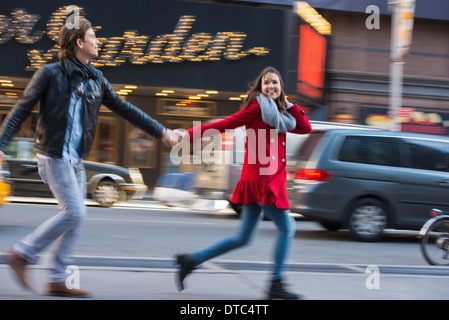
pixel 60 289
pixel 278 291
pixel 186 266
pixel 18 265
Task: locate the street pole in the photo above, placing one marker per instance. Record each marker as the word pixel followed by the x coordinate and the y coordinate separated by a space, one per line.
pixel 401 38
pixel 396 70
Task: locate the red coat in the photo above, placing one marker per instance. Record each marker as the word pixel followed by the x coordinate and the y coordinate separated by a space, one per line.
pixel 263 177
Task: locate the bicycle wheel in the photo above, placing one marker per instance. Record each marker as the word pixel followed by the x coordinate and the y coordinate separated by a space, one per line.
pixel 435 243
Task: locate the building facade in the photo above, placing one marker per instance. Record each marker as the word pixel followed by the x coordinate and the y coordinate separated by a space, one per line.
pixel 179 61
pixel 188 61
pixel 358 67
pixel 359 73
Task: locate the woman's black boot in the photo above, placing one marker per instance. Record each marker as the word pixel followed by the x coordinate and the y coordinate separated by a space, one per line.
pixel 278 291
pixel 186 266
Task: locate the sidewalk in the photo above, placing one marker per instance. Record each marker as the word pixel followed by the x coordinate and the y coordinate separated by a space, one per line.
pixel 233 280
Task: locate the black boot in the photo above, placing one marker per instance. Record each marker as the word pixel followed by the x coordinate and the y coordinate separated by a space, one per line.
pixel 186 266
pixel 278 291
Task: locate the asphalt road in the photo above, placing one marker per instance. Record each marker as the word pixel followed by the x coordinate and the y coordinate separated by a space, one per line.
pixel 132 248
pixel 154 230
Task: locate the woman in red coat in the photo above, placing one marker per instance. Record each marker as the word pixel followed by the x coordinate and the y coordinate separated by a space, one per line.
pixel 267 115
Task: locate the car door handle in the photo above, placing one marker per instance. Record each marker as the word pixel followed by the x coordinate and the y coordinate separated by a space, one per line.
pixel 443 182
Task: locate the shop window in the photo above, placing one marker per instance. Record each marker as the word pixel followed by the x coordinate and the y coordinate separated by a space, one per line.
pixel 140 148
pixel 27 128
pixel 166 164
pixel 3 114
pixel 105 145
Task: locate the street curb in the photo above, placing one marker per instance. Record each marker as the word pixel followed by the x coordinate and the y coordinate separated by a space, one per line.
pixel 167 263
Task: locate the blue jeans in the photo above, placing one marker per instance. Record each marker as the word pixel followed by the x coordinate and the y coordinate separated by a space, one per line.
pixel 68 185
pixel 250 216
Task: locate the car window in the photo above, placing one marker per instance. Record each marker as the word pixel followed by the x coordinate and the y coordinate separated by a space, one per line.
pixel 21 150
pixel 427 154
pixel 370 150
pixel 309 145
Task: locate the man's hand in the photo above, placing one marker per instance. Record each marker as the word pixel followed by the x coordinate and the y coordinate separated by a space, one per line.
pixel 2 156
pixel 169 137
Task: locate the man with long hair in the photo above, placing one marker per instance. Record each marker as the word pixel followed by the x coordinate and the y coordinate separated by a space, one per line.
pixel 70 93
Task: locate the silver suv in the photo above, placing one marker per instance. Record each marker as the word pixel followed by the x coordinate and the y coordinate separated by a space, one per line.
pixel 370 181
pixel 216 181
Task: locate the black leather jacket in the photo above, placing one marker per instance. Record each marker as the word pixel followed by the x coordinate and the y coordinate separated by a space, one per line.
pixel 52 86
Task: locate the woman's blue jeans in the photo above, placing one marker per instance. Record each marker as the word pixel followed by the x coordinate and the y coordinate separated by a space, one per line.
pixel 68 184
pixel 250 216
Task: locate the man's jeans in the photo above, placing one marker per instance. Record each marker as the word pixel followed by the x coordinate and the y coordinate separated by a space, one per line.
pixel 250 216
pixel 68 185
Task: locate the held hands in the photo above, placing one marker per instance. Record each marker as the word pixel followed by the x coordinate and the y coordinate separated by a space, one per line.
pixel 171 137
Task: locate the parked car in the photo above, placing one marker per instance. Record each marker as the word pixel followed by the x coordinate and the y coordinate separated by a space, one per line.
pixel 106 184
pixel 217 180
pixel 370 181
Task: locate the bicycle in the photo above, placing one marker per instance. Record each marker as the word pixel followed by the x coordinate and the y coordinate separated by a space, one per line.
pixel 434 238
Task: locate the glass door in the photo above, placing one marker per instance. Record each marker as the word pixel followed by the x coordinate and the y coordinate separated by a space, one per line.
pixel 105 146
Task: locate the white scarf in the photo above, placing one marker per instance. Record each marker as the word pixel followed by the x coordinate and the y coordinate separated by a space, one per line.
pixel 272 116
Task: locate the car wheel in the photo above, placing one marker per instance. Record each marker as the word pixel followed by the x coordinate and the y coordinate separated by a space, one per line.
pixel 368 219
pixel 106 193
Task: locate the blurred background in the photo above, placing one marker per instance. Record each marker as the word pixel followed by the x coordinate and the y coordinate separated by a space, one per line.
pixel 377 65
pixel 185 61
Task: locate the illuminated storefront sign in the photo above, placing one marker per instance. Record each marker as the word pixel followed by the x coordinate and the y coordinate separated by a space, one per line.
pixel 184 108
pixel 312 17
pixel 174 47
pixel 312 51
pixel 311 62
pixel 411 120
